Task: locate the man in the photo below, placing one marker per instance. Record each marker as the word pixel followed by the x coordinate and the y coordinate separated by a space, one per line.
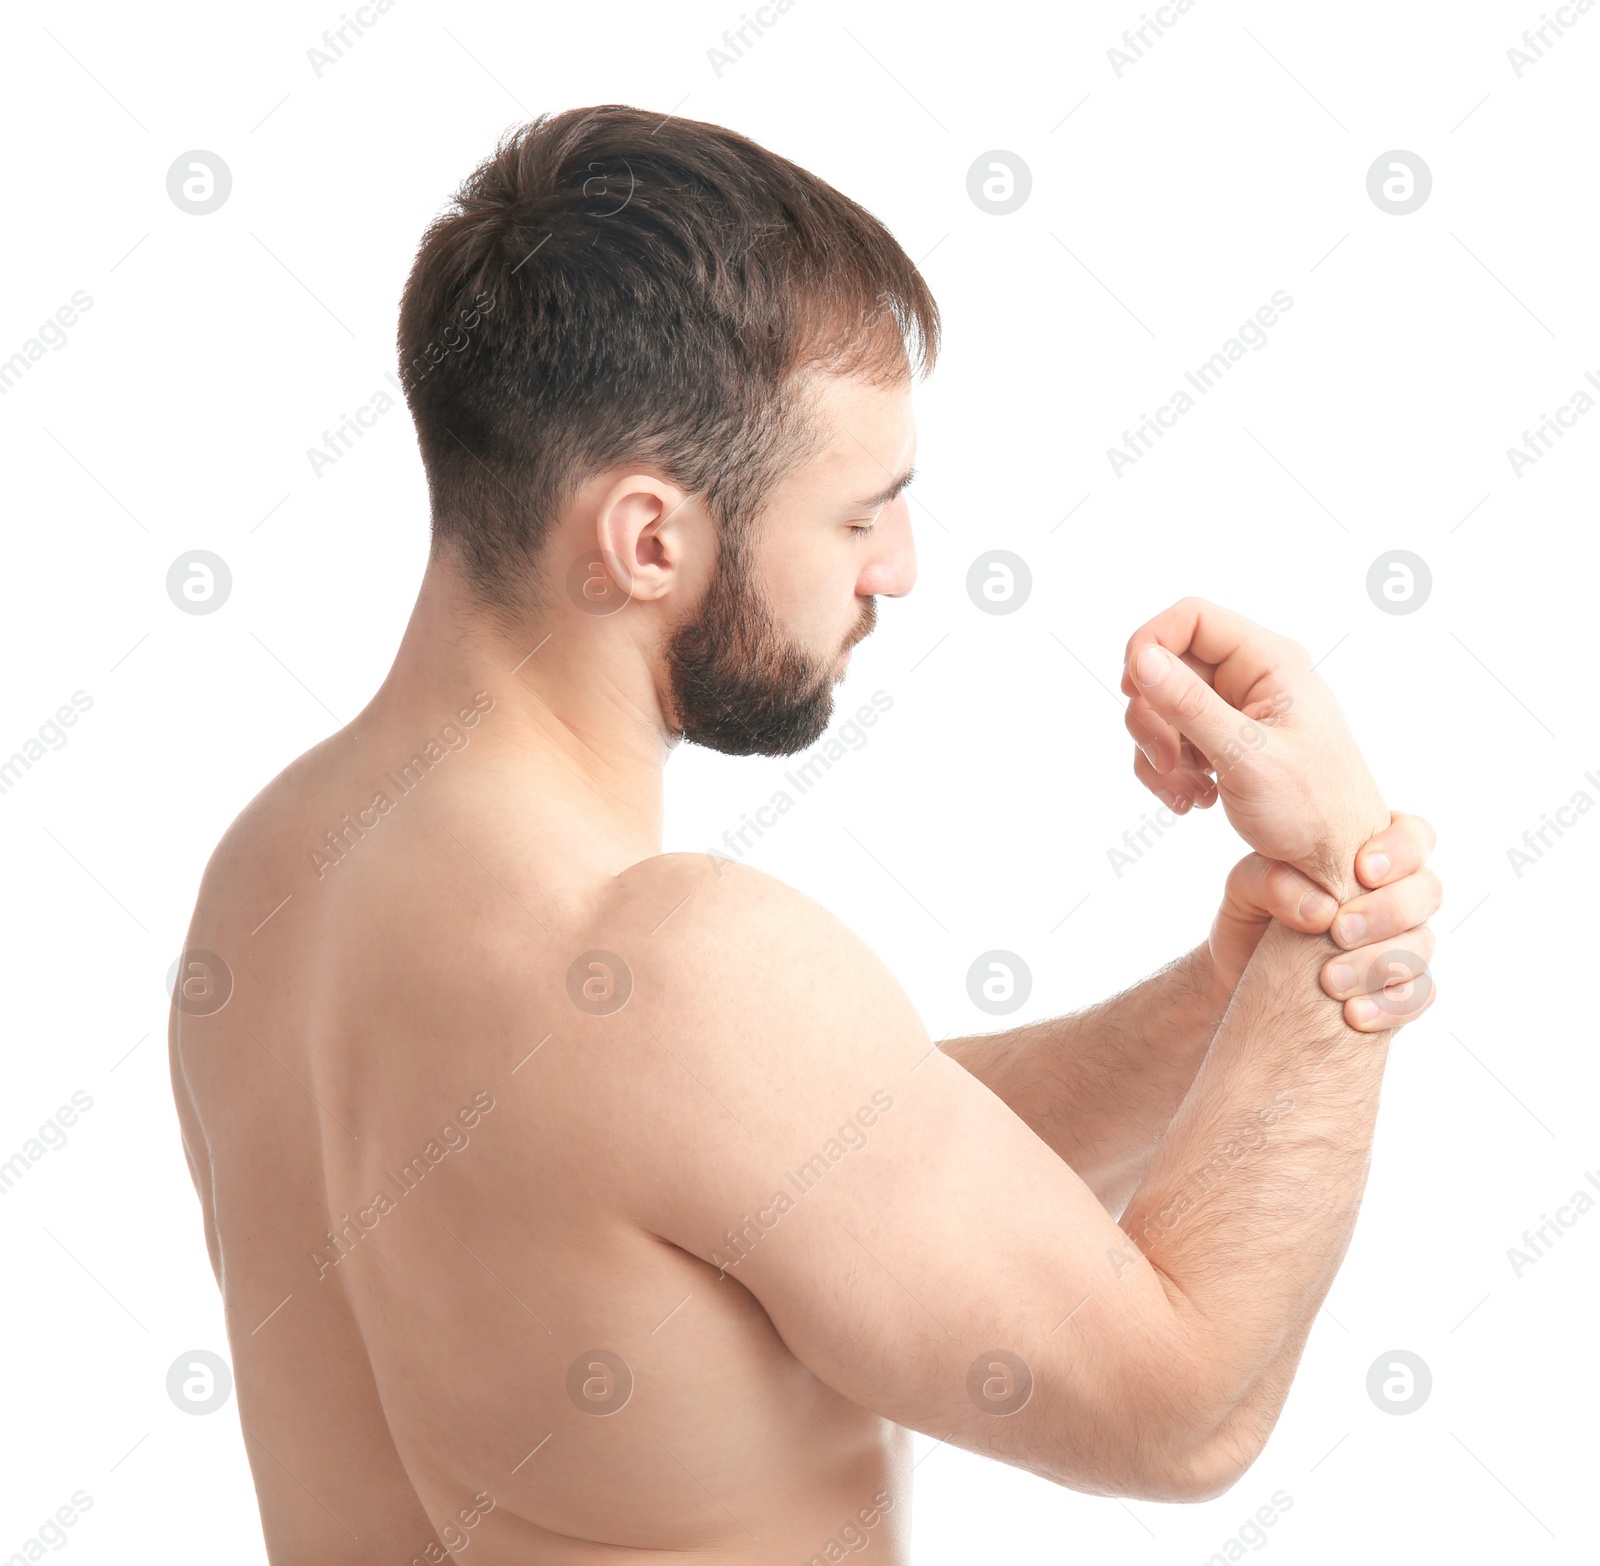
pixel 581 1202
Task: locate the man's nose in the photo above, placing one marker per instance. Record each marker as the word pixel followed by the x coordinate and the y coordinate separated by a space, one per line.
pixel 892 570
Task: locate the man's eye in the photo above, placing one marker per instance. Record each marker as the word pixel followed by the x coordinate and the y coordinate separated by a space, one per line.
pixel 857 527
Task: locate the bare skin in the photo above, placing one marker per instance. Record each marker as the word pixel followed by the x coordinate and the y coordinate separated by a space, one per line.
pixel 590 1203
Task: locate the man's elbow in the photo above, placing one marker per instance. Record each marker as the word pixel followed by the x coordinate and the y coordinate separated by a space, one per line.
pixel 1155 1471
pixel 1213 1473
pixel 1210 1469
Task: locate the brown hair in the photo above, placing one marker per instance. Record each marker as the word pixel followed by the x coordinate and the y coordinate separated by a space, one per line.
pixel 612 286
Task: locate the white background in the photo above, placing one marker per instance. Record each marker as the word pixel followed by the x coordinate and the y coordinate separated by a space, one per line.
pixel 1167 205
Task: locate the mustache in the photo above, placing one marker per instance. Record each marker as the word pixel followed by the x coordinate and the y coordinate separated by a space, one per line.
pixel 869 621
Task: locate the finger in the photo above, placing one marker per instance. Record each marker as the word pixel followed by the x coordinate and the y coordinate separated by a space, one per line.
pixel 1157 738
pixel 1176 694
pixel 1245 661
pixel 1269 888
pixel 1400 906
pixel 1177 790
pixel 1199 665
pixel 1393 974
pixel 1152 734
pixel 1402 846
pixel 1390 1008
pixel 1199 767
pixel 1189 779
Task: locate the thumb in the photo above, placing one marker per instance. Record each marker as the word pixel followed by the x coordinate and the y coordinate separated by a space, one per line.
pixel 1177 694
pixel 1258 891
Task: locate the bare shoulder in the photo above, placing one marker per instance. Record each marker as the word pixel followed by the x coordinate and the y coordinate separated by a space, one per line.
pixel 713 939
pixel 750 1023
pixel 265 827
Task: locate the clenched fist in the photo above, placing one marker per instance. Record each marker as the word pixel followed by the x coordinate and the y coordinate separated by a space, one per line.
pixel 1223 708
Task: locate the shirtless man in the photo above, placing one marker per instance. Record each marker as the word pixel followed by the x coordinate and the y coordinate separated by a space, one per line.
pixel 578 1202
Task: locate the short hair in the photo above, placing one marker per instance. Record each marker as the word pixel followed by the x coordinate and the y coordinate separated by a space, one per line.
pixel 612 286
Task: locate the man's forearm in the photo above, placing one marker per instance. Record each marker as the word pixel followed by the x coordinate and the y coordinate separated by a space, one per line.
pixel 1250 1201
pixel 1100 1086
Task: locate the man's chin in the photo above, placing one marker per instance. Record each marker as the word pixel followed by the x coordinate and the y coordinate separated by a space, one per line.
pixel 797 729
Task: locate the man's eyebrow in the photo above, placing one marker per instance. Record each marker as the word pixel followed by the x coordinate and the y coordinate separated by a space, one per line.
pixel 884 496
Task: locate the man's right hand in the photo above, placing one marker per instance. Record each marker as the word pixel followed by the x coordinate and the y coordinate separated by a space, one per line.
pixel 1214 693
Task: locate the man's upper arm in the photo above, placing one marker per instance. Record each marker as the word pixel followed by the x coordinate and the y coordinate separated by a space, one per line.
pixel 918 1248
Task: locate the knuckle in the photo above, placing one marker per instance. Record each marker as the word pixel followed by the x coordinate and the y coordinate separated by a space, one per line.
pixel 1190 702
pixel 1251 874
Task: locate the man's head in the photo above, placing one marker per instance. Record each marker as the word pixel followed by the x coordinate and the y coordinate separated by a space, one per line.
pixel 752 665
pixel 651 352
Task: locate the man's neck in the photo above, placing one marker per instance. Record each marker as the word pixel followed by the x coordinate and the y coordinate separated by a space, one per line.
pixel 573 714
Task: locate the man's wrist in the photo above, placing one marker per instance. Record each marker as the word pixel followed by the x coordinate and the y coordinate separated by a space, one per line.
pixel 1333 865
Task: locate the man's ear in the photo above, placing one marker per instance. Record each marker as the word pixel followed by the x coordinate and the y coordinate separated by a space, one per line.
pixel 650 534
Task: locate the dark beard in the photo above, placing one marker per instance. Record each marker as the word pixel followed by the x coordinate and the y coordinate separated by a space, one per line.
pixel 737 685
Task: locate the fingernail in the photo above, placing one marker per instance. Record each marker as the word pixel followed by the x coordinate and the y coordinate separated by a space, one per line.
pixel 1363 1010
pixel 1167 799
pixel 1377 866
pixel 1316 904
pixel 1150 665
pixel 1149 755
pixel 1342 976
pixel 1351 928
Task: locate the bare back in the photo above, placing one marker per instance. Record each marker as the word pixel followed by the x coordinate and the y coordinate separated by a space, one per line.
pixel 413 1126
